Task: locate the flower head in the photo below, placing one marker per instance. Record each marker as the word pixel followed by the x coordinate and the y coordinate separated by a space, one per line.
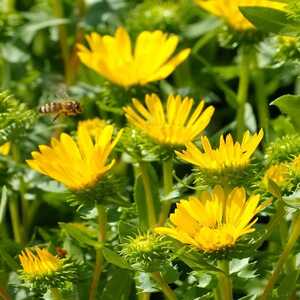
pixel 174 125
pixel 278 173
pixel 230 12
pixel 42 270
pixel 93 126
pixel 229 155
pixel 214 221
pixel 146 251
pixel 40 264
pixel 4 149
pixel 77 164
pixel 113 56
pixel 296 164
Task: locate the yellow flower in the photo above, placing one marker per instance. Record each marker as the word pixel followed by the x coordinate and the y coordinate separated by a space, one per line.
pixel 229 155
pixel 93 126
pixel 296 164
pixel 214 221
pixel 174 125
pixel 113 56
pixel 40 264
pixel 78 165
pixel 229 10
pixel 4 149
pixel 277 173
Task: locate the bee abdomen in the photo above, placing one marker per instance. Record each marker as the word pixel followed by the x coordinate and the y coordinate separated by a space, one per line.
pixel 50 107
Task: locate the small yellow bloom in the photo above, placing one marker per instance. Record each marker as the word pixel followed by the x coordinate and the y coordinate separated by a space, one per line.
pixel 174 125
pixel 78 165
pixel 277 173
pixel 214 221
pixel 229 155
pixel 40 264
pixel 4 149
pixel 229 10
pixel 113 56
pixel 296 164
pixel 93 126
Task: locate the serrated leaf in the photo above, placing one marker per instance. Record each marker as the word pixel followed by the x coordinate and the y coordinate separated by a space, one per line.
pixel 115 259
pixel 84 235
pixel 290 105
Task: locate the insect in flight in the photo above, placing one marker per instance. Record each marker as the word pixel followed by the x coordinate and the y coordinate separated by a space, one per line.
pixel 64 107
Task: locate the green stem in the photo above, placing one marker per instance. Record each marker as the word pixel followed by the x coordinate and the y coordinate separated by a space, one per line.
pixel 225 285
pixel 144 296
pixel 63 38
pixel 56 294
pixel 167 291
pixel 15 219
pixel 275 221
pixel 168 186
pixel 261 100
pixel 295 233
pixel 102 219
pixel 148 193
pixel 242 91
pixel 8 6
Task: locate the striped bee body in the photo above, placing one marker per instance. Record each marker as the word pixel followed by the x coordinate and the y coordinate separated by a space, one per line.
pixel 65 107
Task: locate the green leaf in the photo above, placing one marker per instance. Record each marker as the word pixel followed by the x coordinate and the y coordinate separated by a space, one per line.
pixel 290 105
pixel 115 259
pixel 118 285
pixel 5 256
pixel 140 195
pixel 267 19
pixel 3 203
pixel 84 235
pixel 288 285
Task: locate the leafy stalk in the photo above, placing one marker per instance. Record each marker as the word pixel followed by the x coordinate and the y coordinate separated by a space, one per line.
pixel 102 219
pixel 225 284
pixel 168 185
pixel 295 233
pixel 148 193
pixel 242 91
pixel 168 292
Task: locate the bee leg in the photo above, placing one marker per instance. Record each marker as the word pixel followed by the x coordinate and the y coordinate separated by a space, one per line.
pixel 56 117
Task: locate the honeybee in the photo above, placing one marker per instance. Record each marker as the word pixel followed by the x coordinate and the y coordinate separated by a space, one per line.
pixel 64 107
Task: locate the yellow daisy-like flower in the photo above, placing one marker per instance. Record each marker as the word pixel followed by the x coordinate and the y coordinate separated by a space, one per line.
pixel 5 148
pixel 40 264
pixel 229 155
pixel 78 165
pixel 229 10
pixel 93 126
pixel 296 164
pixel 214 221
pixel 277 173
pixel 174 125
pixel 113 56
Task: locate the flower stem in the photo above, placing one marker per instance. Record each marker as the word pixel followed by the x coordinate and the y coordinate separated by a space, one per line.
pixel 261 101
pixel 167 291
pixel 148 193
pixel 225 285
pixel 63 38
pixel 168 186
pixel 102 218
pixel 275 221
pixel 242 91
pixel 56 294
pixel 295 233
pixel 144 296
pixel 15 219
